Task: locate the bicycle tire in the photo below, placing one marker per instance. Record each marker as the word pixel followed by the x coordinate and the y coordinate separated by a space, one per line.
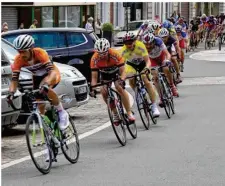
pixel 71 159
pixel 145 108
pixel 46 170
pixel 220 42
pixel 121 125
pixel 165 99
pixel 132 128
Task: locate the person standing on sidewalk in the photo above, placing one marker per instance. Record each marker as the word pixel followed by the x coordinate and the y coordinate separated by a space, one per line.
pixel 89 23
pixel 34 25
pixel 98 28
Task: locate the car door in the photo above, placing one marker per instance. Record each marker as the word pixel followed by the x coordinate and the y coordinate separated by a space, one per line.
pixel 80 52
pixel 54 43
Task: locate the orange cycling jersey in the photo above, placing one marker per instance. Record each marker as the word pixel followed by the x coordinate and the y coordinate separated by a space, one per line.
pixel 40 65
pixel 114 59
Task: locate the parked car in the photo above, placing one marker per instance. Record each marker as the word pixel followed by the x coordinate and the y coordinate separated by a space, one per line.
pixel 9 116
pixel 133 26
pixel 72 83
pixel 72 46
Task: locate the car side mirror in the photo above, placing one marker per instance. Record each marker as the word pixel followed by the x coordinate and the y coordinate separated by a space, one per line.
pixel 76 61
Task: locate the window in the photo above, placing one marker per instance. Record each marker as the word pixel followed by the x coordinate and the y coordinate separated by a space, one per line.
pixel 49 40
pixel 47 16
pixel 9 51
pixel 69 16
pixel 75 39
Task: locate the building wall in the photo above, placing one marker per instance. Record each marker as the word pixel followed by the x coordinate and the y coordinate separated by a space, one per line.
pixel 221 8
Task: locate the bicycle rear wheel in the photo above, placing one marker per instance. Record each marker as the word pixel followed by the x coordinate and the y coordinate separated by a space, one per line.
pixel 70 142
pixel 36 138
pixel 118 128
pixel 165 100
pixel 143 109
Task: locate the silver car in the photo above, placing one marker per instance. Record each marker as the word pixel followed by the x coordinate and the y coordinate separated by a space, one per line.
pixel 9 116
pixel 133 27
pixel 73 84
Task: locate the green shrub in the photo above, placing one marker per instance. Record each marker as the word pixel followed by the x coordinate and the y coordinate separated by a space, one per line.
pixel 107 27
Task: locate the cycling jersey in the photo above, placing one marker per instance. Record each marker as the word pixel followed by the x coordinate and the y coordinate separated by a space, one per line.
pixel 159 46
pixel 171 42
pixel 157 54
pixel 40 65
pixel 113 59
pixel 139 52
pixel 184 26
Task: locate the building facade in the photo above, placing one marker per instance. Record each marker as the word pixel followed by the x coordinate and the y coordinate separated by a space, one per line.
pixel 47 14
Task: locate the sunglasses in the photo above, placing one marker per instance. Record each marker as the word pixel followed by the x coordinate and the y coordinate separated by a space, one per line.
pixel 22 51
pixel 128 43
pixel 102 53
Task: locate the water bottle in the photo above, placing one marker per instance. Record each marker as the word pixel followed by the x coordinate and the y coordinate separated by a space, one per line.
pixel 54 138
pixel 143 91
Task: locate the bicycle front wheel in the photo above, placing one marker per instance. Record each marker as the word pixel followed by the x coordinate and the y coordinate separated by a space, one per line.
pixel 70 142
pixel 38 143
pixel 118 127
pixel 143 109
pixel 165 100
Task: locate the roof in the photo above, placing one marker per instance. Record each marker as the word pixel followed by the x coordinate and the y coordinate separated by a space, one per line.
pixel 46 30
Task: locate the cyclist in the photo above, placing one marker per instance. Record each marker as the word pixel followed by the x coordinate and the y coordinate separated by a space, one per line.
pixel 193 32
pixel 108 61
pixel 182 37
pixel 211 28
pixel 167 24
pixel 142 29
pixel 134 50
pixel 159 56
pixel 173 48
pixel 46 75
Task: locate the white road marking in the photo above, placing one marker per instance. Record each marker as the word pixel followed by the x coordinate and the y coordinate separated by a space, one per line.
pixel 203 81
pixel 209 55
pixel 82 136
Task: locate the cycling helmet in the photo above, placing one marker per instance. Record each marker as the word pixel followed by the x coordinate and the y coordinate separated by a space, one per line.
pixel 23 42
pixel 163 32
pixel 129 37
pixel 166 24
pixel 146 22
pixel 155 26
pixel 149 29
pixel 203 16
pixel 148 38
pixel 102 45
pixel 178 28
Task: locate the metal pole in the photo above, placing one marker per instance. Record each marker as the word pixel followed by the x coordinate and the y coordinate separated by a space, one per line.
pixel 127 17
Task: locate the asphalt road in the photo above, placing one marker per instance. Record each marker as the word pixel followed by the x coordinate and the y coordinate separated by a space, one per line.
pixel 187 149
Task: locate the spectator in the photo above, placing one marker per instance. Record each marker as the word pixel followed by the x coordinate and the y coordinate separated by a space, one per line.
pixel 21 26
pixel 3 25
pixel 5 28
pixel 34 25
pixel 98 28
pixel 89 23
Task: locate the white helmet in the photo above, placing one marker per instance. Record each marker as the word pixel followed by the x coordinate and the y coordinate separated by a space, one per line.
pixel 102 45
pixel 148 38
pixel 149 29
pixel 163 32
pixel 23 42
pixel 203 16
pixel 155 26
pixel 145 22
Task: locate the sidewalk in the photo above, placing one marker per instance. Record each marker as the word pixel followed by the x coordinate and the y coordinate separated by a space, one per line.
pixel 210 55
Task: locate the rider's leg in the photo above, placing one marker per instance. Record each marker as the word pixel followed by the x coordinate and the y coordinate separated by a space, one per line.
pixel 125 99
pixel 169 76
pixel 176 66
pixel 152 94
pixel 63 115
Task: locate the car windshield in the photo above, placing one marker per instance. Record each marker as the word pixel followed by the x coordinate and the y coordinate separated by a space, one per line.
pixel 9 51
pixel 133 26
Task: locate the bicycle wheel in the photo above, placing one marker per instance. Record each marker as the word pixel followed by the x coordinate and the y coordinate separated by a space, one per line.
pixel 170 97
pixel 118 128
pixel 70 143
pixel 36 138
pixel 164 94
pixel 132 128
pixel 142 109
pixel 220 42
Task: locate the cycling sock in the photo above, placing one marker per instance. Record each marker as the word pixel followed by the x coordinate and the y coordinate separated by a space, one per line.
pixel 59 107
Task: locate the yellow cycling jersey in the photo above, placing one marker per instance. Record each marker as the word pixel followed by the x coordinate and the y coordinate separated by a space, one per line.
pixel 139 51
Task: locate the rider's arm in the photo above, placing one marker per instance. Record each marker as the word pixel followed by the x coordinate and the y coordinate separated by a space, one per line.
pixel 177 49
pixel 147 61
pixel 50 68
pixel 168 56
pixel 94 70
pixel 16 66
